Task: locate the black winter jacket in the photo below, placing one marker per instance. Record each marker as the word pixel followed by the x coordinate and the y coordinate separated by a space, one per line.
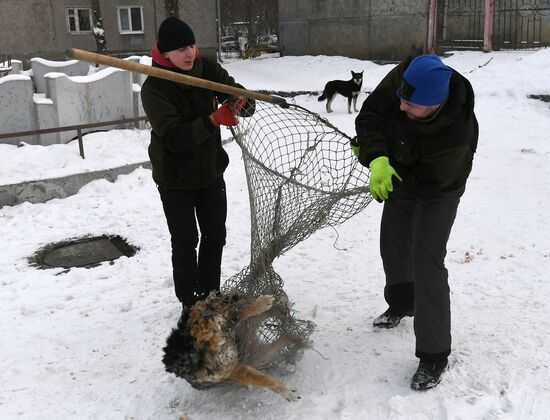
pixel 185 148
pixel 431 157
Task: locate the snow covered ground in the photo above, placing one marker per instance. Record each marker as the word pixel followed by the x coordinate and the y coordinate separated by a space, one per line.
pixel 88 343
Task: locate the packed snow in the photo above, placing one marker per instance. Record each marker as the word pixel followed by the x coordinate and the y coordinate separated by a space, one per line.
pixel 87 343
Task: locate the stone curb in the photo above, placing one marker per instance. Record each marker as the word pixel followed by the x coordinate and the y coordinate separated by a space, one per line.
pixel 43 190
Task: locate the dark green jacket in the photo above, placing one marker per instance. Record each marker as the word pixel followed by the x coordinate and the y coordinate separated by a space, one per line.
pixel 431 157
pixel 185 149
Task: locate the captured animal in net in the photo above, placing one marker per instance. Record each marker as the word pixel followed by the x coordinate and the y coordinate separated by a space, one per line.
pixel 302 175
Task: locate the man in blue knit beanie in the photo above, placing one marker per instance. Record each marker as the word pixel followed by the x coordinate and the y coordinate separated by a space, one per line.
pixel 417 132
pixel 425 82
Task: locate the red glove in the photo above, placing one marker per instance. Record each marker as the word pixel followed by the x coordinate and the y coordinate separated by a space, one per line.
pixel 237 105
pixel 223 116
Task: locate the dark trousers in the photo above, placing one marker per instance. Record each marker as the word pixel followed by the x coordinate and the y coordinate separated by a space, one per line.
pixel 413 244
pixel 195 278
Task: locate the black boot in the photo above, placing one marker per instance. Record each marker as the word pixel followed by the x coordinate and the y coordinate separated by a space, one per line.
pixel 390 318
pixel 428 374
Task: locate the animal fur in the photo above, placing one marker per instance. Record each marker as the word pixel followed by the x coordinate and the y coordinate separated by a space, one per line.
pixel 206 350
pixel 348 88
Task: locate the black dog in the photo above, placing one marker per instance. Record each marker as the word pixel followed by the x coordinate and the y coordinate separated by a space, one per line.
pixel 348 88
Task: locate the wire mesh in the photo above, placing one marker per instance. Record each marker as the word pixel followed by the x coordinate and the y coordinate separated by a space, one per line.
pixel 302 176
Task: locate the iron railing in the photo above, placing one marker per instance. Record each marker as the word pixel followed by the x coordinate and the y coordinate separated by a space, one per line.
pixel 516 24
pixel 77 128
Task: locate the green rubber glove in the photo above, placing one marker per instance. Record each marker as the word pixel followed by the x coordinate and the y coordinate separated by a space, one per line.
pixel 381 173
pixel 354 146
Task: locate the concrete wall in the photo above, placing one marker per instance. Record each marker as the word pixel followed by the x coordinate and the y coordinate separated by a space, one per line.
pixel 369 29
pixel 17 111
pixel 31 28
pixel 46 117
pixel 106 95
pixel 109 94
pixel 201 16
pixel 40 67
pixel 15 65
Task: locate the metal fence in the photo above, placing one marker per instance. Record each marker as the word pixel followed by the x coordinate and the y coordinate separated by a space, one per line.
pixel 77 128
pixel 516 24
pixel 460 24
pixel 520 24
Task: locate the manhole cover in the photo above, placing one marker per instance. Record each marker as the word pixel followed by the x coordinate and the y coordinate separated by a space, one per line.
pixel 82 252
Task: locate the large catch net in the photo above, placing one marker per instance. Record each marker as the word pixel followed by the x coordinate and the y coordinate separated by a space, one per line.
pixel 302 175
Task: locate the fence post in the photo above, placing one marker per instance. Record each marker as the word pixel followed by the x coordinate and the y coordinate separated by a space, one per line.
pixel 488 26
pixel 80 142
pixel 432 26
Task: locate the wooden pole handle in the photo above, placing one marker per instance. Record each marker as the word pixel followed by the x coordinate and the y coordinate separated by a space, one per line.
pixel 170 75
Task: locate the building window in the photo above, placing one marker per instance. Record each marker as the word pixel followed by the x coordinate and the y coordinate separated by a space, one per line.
pixel 130 20
pixel 79 20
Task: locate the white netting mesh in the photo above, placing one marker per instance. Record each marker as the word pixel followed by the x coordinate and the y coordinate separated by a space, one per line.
pixel 302 176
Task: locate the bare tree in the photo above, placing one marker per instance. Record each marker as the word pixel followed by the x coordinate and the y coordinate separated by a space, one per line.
pixel 267 16
pixel 99 32
pixel 262 16
pixel 171 8
pixel 259 17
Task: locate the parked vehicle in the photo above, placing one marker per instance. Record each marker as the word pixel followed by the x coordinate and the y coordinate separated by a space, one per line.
pixel 268 43
pixel 229 43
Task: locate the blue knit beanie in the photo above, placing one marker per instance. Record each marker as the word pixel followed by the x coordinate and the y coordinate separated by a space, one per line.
pixel 425 81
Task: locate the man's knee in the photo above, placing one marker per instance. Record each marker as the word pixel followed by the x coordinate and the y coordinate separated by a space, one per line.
pixel 184 244
pixel 214 240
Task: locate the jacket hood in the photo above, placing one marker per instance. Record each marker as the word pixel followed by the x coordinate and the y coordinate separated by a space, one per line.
pixel 158 58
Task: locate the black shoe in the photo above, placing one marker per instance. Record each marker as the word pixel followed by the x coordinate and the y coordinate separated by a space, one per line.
pixel 390 319
pixel 428 374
